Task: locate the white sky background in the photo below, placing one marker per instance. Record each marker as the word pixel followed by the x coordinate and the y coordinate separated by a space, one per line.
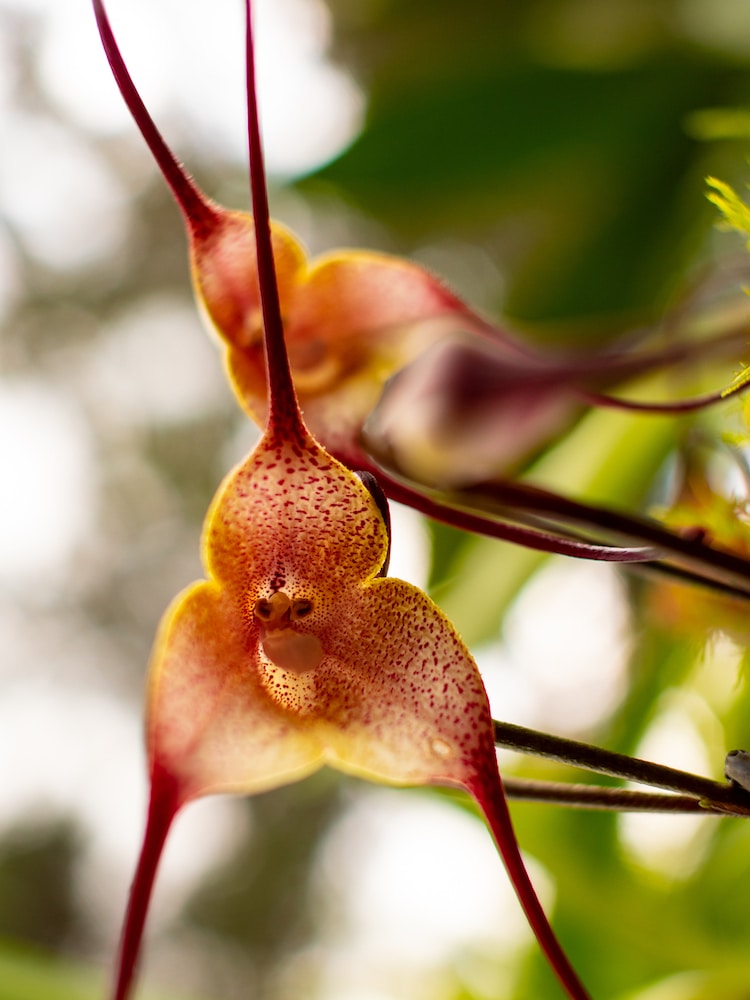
pixel 63 748
pixel 190 65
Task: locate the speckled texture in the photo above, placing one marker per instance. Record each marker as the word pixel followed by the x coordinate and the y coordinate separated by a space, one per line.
pixel 395 695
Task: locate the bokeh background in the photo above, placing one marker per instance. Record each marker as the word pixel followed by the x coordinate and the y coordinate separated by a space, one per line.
pixel 548 159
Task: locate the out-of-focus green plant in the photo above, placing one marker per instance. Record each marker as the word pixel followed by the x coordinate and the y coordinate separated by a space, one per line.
pixel 35 976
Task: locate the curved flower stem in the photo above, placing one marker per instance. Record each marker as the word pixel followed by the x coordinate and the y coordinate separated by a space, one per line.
pixel 673 408
pixel 163 807
pixel 719 795
pixel 504 509
pixel 494 509
pixel 490 508
pixel 190 199
pixel 630 359
pixel 284 417
pixel 483 507
pixel 495 808
pixel 431 503
pixel 690 548
pixel 577 796
pixel 692 576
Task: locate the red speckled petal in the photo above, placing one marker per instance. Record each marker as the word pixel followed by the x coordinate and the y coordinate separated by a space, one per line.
pixel 291 516
pixel 211 725
pixel 289 519
pixel 408 704
pixel 396 696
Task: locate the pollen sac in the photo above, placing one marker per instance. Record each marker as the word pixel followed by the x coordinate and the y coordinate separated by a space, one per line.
pixel 292 650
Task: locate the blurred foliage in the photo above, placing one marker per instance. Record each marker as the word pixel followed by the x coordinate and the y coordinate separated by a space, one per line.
pixel 547 156
pixel 259 900
pixel 37 899
pixel 26 974
pixel 550 134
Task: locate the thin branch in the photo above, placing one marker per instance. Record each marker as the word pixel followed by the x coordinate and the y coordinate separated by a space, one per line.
pixel 719 795
pixel 505 511
pixel 495 496
pixel 193 203
pixel 671 408
pixel 655 567
pixel 461 515
pixel 577 796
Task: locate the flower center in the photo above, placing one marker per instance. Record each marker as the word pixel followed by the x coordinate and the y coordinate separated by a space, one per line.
pixel 282 642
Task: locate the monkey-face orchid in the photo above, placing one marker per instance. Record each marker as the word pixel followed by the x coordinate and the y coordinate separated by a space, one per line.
pixel 297 651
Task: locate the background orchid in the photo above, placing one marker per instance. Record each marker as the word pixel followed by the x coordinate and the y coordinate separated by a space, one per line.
pixel 575 228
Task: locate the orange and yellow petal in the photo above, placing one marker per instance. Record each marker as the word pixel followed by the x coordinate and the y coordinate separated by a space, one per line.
pixel 412 707
pixel 352 319
pixel 224 268
pixel 211 724
pixel 290 516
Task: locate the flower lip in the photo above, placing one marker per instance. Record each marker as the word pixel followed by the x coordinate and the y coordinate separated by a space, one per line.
pixel 294 651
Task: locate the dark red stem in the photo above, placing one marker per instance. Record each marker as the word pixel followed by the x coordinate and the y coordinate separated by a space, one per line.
pixel 486 509
pixel 604 799
pixel 619 765
pixel 690 548
pixel 196 208
pixel 495 808
pixel 284 417
pixel 675 408
pixel 463 516
pixel 163 807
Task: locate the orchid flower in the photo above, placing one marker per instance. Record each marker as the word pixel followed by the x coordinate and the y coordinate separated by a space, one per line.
pixel 296 650
pixel 355 318
pixel 351 318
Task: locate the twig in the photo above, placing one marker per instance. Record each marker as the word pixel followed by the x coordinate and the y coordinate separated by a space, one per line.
pixel 719 796
pixel 503 498
pixel 576 796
